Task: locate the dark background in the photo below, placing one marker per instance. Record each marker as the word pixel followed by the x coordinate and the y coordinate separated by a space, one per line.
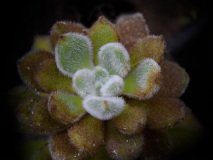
pixel 185 24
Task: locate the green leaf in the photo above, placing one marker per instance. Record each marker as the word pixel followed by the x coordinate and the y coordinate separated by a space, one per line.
pixel 103 108
pixel 112 87
pixel 62 27
pixel 84 82
pixel 73 52
pixel 144 81
pixel 48 77
pixel 42 42
pixel 174 79
pixel 148 47
pixel 28 64
pixel 123 147
pixel 101 154
pixel 65 108
pixel 87 135
pixel 115 58
pixel 130 28
pixel 164 112
pixel 132 120
pixel 102 32
pixel 60 148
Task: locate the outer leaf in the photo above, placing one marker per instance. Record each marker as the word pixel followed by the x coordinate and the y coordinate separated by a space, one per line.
pixel 103 108
pixel 60 148
pixel 73 52
pixel 48 77
pixel 148 47
pixel 28 64
pixel 115 58
pixel 174 80
pixel 19 94
pixel 65 108
pixel 123 147
pixel 132 120
pixel 130 28
pixel 87 135
pixel 102 32
pixel 42 43
pixel 144 81
pixel 41 121
pixel 164 112
pixel 62 27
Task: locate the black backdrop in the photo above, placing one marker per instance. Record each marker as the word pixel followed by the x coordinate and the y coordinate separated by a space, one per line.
pixel 22 20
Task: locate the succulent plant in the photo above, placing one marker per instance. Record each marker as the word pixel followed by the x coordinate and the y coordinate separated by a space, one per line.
pixel 106 92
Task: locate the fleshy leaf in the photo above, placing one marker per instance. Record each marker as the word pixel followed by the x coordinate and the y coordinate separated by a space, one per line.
pixel 84 82
pixel 19 94
pixel 103 108
pixel 132 120
pixel 144 81
pixel 28 64
pixel 102 32
pixel 112 87
pixel 130 28
pixel 24 110
pixel 101 74
pixel 101 154
pixel 115 58
pixel 60 148
pixel 48 77
pixel 42 43
pixel 187 133
pixel 41 121
pixel 87 135
pixel 123 147
pixel 65 108
pixel 73 52
pixel 174 79
pixel 164 112
pixel 62 27
pixel 148 47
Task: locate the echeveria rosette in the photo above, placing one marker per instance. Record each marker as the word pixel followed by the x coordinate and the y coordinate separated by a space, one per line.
pixel 103 92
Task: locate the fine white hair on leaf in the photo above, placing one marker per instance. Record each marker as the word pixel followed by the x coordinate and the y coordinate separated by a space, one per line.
pixel 84 82
pixel 113 87
pixel 103 108
pixel 145 71
pixel 115 58
pixel 101 74
pixel 73 52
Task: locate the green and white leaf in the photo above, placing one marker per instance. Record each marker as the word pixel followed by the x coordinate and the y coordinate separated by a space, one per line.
pixel 73 52
pixel 103 108
pixel 115 58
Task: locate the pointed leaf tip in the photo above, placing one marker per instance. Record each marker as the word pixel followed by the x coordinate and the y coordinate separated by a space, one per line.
pixel 144 81
pixel 103 108
pixel 115 58
pixel 150 46
pixel 130 28
pixel 73 52
pixel 102 32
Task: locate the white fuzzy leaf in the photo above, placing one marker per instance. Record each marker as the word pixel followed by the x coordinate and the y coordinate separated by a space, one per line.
pixel 113 86
pixel 115 58
pixel 84 82
pixel 103 108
